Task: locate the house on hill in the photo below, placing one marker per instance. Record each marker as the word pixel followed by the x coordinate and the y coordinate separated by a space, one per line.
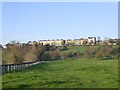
pixel 91 41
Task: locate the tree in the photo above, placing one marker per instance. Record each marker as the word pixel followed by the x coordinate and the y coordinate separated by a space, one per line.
pixel 55 54
pixel 30 56
pixel 12 55
pixel 99 38
pixel 118 53
pixel 71 54
pixel 90 51
pixel 104 52
pixel 18 55
pixel 87 53
pixel 1 47
pixel 18 59
pixel 64 48
pixel 47 47
pixel 77 54
pixel 64 55
pixel 63 42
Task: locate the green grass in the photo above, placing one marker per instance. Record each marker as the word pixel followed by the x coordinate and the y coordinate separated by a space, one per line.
pixel 81 49
pixel 77 48
pixel 69 73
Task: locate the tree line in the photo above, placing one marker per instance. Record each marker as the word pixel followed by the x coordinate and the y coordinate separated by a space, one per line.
pixel 30 53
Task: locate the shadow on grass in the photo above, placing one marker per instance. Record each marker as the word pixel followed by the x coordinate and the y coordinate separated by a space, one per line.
pixel 23 86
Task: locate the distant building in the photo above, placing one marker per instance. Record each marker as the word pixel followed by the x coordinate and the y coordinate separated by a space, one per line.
pixel 77 42
pixel 30 42
pixel 91 40
pixel 4 46
pixel 68 42
pixel 57 42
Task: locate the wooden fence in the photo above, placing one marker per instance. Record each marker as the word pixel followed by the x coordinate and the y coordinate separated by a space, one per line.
pixel 12 67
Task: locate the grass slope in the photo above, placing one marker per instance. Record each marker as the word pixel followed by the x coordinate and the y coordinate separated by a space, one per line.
pixel 82 48
pixel 77 48
pixel 69 73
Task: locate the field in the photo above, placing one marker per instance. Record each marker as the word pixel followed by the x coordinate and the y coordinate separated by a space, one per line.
pixel 78 48
pixel 68 73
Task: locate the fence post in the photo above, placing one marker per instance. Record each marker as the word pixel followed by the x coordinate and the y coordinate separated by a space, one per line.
pixel 3 68
pixel 11 67
pixel 14 67
pixel 17 66
pixel 7 67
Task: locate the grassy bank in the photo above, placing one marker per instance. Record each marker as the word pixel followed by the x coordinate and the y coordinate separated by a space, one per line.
pixel 74 73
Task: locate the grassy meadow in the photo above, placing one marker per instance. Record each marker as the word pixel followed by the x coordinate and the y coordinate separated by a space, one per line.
pixel 68 73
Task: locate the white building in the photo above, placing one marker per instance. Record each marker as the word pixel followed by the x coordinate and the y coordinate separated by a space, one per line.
pixel 91 40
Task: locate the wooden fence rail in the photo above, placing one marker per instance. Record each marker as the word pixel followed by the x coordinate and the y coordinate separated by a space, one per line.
pixel 12 67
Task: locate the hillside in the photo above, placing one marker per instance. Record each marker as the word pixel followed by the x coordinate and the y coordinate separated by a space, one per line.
pixel 68 73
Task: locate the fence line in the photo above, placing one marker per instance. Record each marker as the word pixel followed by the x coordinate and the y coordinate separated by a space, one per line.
pixel 12 67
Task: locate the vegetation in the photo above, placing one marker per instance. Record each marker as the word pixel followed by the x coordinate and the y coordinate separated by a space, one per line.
pixel 68 73
pixel 63 66
pixel 28 53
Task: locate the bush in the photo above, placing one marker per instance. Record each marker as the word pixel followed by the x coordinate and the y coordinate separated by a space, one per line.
pixel 77 54
pixel 64 55
pixel 104 52
pixel 64 48
pixel 18 59
pixel 106 58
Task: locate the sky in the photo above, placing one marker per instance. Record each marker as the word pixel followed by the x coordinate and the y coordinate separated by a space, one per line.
pixel 27 21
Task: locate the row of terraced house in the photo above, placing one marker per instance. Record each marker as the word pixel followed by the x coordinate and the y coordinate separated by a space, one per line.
pixel 68 42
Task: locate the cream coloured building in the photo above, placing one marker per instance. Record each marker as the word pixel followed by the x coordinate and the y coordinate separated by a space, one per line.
pixel 51 42
pixel 92 40
pixel 58 42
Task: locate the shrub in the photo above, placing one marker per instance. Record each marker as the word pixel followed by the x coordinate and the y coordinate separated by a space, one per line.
pixel 64 48
pixel 64 55
pixel 104 52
